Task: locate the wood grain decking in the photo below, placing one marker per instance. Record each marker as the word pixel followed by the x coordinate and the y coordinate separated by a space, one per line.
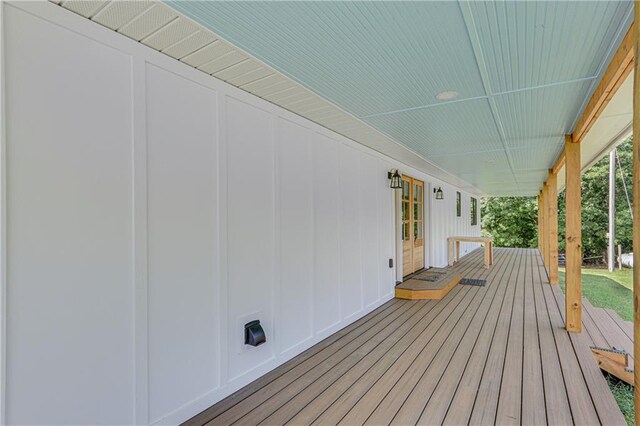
pixel 497 354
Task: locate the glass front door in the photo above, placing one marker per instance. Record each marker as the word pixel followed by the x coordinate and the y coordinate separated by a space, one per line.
pixel 412 215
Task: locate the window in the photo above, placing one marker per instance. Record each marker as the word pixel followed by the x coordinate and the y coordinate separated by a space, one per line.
pixel 474 211
pixel 458 204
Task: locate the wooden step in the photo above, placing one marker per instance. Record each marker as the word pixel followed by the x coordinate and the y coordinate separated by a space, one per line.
pixel 611 345
pixel 614 362
pixel 626 326
pixel 615 336
pixel 416 289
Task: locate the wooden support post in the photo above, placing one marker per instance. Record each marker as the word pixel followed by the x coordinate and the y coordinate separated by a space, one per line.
pixel 552 233
pixel 573 236
pixel 544 233
pixel 636 209
pixel 540 222
pixel 547 229
pixel 544 225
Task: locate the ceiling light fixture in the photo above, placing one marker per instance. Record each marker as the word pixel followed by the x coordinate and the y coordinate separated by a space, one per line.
pixel 447 96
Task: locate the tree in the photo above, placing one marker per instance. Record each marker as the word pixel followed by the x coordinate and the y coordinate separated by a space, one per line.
pixel 512 221
pixel 595 206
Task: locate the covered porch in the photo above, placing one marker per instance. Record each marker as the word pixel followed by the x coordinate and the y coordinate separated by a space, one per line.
pixel 498 354
pixel 174 173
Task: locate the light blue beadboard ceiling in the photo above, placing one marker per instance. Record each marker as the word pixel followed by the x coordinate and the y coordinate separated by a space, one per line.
pixel 523 69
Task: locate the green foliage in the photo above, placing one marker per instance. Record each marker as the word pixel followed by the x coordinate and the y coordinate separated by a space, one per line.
pixel 595 206
pixel 623 394
pixel 511 221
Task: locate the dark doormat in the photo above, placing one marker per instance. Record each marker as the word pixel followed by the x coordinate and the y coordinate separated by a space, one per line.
pixel 473 281
pixel 429 276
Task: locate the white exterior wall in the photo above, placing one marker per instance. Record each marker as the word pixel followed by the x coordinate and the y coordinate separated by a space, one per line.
pixel 150 211
pixel 445 223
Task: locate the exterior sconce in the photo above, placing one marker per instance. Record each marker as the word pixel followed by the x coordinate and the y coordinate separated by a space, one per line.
pixel 396 179
pixel 439 193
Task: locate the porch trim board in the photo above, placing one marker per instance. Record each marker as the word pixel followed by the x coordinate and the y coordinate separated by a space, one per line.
pixel 619 68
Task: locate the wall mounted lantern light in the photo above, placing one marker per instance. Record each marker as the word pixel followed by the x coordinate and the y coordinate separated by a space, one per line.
pixel 396 179
pixel 439 193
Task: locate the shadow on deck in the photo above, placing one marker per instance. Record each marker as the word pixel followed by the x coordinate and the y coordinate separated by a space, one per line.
pixel 497 354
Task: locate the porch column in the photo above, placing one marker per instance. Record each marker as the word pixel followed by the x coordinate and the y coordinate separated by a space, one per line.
pixel 543 235
pixel 636 209
pixel 543 230
pixel 547 227
pixel 574 236
pixel 540 221
pixel 552 232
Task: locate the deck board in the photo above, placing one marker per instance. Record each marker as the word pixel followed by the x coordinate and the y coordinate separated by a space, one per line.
pixel 486 402
pixel 510 399
pixel 555 394
pixel 481 355
pixel 582 407
pixel 467 391
pixel 441 399
pixel 533 402
pixel 456 348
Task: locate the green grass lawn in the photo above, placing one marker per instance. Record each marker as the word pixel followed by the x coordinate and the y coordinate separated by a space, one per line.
pixel 623 394
pixel 621 276
pixel 611 290
pixel 607 290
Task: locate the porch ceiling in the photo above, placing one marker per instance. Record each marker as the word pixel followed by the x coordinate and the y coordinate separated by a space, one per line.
pixel 524 72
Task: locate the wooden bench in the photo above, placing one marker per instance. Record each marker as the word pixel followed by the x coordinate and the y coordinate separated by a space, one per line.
pixel 454 248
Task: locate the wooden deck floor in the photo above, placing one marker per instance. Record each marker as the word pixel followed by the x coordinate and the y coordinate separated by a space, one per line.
pixel 482 355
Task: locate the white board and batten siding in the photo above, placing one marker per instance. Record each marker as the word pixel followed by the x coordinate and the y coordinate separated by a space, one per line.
pixel 152 210
pixel 444 222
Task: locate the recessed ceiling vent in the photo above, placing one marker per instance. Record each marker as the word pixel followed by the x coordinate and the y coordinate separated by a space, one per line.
pixel 447 96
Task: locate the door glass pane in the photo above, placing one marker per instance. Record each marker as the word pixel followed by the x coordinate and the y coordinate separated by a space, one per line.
pixel 405 189
pixel 416 192
pixel 420 234
pixel 405 231
pixel 405 210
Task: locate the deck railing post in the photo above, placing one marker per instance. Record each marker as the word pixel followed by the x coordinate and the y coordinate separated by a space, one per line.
pixel 573 236
pixel 552 232
pixel 636 208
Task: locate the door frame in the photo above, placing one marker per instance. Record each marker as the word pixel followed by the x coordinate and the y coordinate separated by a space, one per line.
pixel 426 227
